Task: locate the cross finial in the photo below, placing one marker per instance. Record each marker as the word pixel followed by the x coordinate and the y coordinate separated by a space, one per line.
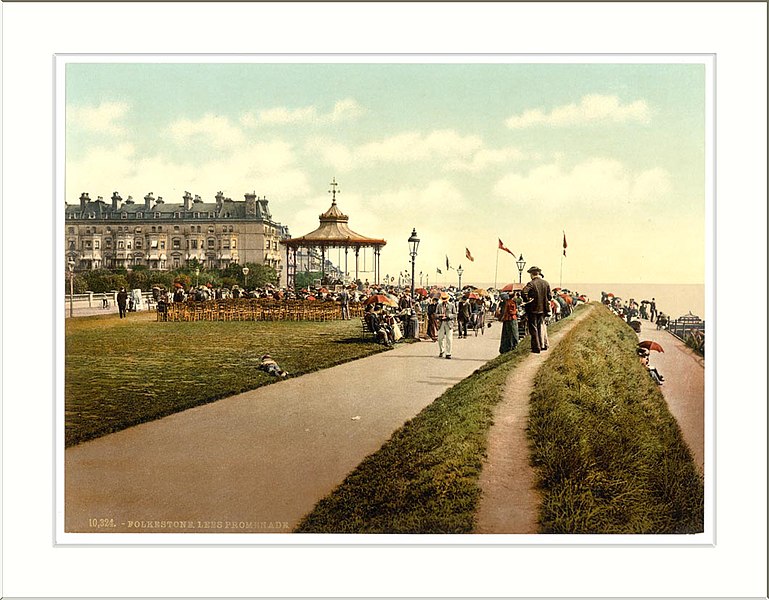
pixel 333 191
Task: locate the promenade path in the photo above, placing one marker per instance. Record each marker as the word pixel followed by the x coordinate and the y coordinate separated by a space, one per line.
pixel 259 461
pixel 683 388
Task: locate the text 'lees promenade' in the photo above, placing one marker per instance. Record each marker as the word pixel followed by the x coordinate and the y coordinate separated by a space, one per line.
pixel 163 236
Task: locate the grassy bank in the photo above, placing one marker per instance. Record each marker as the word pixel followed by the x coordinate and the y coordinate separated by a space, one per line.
pixel 610 456
pixel 425 478
pixel 122 372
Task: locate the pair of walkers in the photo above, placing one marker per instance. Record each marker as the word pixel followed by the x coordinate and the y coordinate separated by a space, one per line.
pixel 535 296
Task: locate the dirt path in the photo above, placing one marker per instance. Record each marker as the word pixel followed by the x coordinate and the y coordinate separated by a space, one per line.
pixel 509 501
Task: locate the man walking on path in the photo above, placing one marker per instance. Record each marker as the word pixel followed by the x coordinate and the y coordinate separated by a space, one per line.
pixel 122 298
pixel 508 314
pixel 344 301
pixel 536 295
pixel 446 313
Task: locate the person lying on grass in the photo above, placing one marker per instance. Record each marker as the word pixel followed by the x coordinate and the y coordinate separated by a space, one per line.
pixel 269 366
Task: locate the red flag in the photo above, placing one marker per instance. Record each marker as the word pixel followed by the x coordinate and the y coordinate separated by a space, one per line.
pixel 564 243
pixel 468 255
pixel 502 247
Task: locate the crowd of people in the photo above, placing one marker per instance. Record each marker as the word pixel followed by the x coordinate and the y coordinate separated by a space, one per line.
pixel 391 314
pixel 632 311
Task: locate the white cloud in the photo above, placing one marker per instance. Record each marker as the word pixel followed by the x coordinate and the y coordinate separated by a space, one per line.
pixel 104 118
pixel 484 158
pixel 343 110
pixel 410 146
pixel 455 151
pixel 216 130
pixel 594 108
pixel 593 184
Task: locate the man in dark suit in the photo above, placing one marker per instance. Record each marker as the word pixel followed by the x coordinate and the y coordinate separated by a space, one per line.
pixel 536 296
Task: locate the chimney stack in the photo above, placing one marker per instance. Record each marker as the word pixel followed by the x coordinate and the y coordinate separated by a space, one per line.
pixel 187 200
pixel 115 199
pixel 148 201
pixel 84 199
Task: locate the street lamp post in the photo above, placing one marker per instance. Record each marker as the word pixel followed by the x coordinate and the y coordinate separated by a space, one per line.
pixel 71 272
pixel 460 270
pixel 197 276
pixel 420 279
pixel 413 246
pixel 245 277
pixel 520 263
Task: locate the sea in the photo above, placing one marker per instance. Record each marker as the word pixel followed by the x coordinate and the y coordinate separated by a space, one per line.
pixel 675 300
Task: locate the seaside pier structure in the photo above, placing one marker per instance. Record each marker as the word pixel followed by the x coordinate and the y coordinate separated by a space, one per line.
pixel 333 232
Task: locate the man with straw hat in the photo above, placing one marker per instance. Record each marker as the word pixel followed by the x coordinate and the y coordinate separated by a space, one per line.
pixel 446 314
pixel 536 296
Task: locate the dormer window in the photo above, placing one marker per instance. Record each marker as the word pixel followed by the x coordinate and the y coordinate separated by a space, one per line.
pixel 157 215
pixel 139 215
pixel 123 215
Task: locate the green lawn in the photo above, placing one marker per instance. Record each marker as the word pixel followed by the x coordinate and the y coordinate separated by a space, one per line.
pixel 610 456
pixel 120 373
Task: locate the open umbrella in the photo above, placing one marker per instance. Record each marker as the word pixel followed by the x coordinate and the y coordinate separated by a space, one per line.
pixel 380 299
pixel 649 345
pixel 568 299
pixel 421 291
pixel 323 290
pixel 512 287
pixel 473 296
pixel 480 292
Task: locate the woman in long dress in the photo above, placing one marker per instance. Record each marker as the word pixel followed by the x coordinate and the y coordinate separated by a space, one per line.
pixel 432 322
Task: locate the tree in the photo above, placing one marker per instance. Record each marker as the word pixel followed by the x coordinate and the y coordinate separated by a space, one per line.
pixel 304 279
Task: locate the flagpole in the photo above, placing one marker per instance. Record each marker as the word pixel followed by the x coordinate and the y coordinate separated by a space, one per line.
pixel 560 281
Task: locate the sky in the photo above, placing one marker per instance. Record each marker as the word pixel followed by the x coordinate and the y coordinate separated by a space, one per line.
pixel 610 155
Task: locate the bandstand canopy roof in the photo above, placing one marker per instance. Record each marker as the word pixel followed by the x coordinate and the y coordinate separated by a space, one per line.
pixel 333 231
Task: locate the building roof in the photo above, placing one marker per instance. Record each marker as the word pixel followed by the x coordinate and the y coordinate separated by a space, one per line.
pixel 333 231
pixel 227 209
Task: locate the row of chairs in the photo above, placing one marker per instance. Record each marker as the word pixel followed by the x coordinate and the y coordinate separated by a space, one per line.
pixel 254 310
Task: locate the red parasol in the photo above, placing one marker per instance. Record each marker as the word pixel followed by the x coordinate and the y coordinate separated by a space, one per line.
pixel 567 298
pixel 380 299
pixel 421 291
pixel 649 345
pixel 512 287
pixel 323 290
pixel 473 296
pixel 310 297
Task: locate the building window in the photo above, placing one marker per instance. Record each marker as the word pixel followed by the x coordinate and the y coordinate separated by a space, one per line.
pixel 137 230
pixel 153 229
pixel 176 229
pixel 120 245
pixel 226 244
pixel 162 244
pixel 157 215
pixel 210 242
pixel 194 244
pixel 196 215
pixel 211 229
pixel 108 243
pixel 233 244
pixel 123 215
pixel 176 263
pixel 139 215
pixel 88 245
pixel 96 245
pixel 198 228
pixel 177 243
pixel 138 244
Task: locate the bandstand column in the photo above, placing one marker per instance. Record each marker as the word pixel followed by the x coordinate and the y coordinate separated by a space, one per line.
pixel 357 250
pixel 346 248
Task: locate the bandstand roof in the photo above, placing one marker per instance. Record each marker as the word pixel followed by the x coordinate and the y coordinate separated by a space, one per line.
pixel 333 231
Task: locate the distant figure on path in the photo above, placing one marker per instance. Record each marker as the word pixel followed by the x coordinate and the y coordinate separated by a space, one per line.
pixel 446 313
pixel 653 309
pixel 344 301
pixel 508 314
pixel 536 296
pixel 432 321
pixel 122 298
pixel 463 316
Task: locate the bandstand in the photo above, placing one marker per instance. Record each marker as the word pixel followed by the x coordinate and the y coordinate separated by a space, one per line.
pixel 333 232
